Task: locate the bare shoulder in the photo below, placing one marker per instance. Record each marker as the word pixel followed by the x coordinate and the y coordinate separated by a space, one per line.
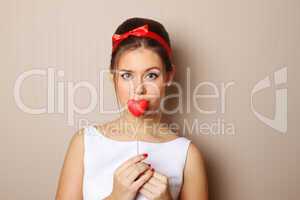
pixel 75 149
pixel 194 154
pixel 78 135
pixel 71 175
pixel 195 160
pixel 76 141
pixel 195 177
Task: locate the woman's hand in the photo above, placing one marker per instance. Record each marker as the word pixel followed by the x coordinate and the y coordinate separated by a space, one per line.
pixel 157 188
pixel 130 177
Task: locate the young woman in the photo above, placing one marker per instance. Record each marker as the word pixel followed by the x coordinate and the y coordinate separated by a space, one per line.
pixel 102 161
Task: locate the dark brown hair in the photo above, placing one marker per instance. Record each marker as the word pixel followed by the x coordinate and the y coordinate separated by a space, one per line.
pixel 133 42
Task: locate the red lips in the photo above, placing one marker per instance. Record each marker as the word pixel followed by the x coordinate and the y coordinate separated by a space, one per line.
pixel 137 107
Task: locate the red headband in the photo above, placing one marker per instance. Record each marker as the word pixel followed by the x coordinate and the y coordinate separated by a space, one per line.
pixel 141 31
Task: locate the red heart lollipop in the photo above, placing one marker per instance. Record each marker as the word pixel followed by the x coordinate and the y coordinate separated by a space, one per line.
pixel 137 107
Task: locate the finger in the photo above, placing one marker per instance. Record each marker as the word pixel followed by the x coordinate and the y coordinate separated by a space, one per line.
pixel 130 162
pixel 155 182
pixel 142 179
pixel 150 187
pixel 161 177
pixel 130 168
pixel 147 193
pixel 146 167
pixel 136 170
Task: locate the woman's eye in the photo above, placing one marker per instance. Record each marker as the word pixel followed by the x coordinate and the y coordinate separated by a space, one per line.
pixel 126 76
pixel 152 76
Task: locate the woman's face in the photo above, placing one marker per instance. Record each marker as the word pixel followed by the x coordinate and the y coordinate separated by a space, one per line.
pixel 141 74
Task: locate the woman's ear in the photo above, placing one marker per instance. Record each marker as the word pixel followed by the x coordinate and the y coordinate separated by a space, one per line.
pixel 171 75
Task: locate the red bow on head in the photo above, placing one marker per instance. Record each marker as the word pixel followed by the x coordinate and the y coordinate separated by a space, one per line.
pixel 141 31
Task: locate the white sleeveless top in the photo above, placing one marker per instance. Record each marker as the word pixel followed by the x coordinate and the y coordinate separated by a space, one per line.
pixel 103 155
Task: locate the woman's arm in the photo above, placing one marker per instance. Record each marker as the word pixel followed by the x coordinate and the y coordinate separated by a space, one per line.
pixel 70 181
pixel 195 180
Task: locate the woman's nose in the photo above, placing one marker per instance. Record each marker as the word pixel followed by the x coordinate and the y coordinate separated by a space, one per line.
pixel 140 89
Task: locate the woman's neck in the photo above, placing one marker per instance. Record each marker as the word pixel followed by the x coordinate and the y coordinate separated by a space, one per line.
pixel 142 125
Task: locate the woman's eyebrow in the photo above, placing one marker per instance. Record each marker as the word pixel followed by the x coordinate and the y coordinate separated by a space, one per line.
pixel 154 67
pixel 128 70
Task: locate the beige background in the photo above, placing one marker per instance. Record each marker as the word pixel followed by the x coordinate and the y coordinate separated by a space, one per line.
pixel 220 41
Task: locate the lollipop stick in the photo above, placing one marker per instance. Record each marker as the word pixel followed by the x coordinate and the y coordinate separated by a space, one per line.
pixel 137 147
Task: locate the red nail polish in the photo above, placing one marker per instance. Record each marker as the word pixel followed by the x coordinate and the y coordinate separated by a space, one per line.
pixel 152 169
pixel 145 154
pixel 149 165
